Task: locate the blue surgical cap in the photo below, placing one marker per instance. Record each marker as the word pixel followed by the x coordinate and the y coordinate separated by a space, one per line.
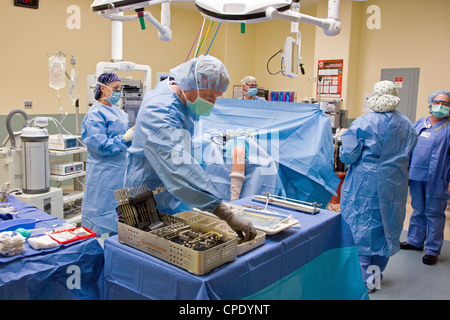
pixel 432 96
pixel 209 72
pixel 104 78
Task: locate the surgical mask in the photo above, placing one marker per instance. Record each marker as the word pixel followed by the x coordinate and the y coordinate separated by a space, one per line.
pixel 115 95
pixel 439 111
pixel 200 106
pixel 252 92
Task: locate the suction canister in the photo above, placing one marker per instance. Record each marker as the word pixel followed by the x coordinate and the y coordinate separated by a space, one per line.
pixel 35 160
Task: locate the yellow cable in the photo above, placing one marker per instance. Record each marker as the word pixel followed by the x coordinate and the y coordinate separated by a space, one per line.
pixel 203 40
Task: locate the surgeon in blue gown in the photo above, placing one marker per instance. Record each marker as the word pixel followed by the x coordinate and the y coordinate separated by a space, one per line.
pixel 429 176
pixel 377 146
pixel 105 133
pixel 161 154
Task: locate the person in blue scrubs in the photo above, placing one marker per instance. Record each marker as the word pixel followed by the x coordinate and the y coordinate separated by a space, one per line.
pixel 105 133
pixel 377 147
pixel 429 176
pixel 161 154
pixel 250 89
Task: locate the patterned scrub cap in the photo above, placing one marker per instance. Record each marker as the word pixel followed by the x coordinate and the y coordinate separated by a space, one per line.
pixel 104 78
pixel 385 97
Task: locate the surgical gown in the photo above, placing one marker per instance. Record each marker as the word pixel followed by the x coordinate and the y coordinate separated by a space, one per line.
pixel 377 146
pixel 161 154
pixel 102 132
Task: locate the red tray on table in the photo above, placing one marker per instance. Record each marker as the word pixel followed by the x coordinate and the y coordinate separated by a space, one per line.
pixel 71 235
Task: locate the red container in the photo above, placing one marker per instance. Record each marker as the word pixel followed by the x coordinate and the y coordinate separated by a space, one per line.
pixel 62 236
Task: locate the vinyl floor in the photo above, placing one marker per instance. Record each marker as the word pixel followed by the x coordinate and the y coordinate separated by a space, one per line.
pixel 407 278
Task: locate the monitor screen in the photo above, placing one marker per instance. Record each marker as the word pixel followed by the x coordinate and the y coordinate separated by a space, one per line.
pixel 27 3
pixel 291 57
pixel 294 60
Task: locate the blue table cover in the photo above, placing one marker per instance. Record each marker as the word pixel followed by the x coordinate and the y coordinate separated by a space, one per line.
pixel 70 271
pixel 318 260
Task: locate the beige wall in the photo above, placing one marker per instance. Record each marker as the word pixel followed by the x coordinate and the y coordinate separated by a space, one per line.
pixel 35 33
pixel 28 35
pixel 413 34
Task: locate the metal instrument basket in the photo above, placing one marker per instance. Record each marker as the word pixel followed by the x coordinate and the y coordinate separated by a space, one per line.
pixel 198 262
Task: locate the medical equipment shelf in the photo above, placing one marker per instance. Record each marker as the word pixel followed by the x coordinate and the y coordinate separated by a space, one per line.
pixel 67 152
pixel 76 192
pixel 76 219
pixel 72 195
pixel 55 177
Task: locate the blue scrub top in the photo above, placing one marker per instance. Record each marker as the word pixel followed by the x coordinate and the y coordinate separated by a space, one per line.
pixel 430 160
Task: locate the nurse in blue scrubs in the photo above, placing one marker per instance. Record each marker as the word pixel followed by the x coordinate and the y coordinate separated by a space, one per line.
pixel 429 176
pixel 106 134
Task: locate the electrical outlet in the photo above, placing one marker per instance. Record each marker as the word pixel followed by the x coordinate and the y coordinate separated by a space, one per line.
pixel 28 104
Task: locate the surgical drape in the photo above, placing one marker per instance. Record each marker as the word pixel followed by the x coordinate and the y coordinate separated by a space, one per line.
pixel 289 148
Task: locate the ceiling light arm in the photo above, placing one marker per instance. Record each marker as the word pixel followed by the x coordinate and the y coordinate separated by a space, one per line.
pixel 331 25
pixel 163 27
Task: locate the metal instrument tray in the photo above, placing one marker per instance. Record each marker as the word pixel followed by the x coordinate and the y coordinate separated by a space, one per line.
pixel 198 262
pixel 211 221
pixel 265 222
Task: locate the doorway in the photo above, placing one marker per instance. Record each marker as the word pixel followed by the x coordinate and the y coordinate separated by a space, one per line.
pixel 407 80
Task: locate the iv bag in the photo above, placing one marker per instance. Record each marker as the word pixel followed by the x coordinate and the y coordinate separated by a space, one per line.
pixel 57 69
pixel 74 87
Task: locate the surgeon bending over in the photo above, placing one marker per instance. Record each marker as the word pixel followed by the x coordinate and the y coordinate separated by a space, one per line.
pixel 105 132
pixel 161 154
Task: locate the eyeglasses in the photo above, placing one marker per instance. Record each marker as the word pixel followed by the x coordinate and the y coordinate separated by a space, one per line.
pixel 444 103
pixel 252 86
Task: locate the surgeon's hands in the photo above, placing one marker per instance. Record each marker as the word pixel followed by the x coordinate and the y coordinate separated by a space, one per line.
pixel 128 135
pixel 242 227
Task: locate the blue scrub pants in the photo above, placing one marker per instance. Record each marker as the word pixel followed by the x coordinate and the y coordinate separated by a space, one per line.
pixel 375 260
pixel 426 227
